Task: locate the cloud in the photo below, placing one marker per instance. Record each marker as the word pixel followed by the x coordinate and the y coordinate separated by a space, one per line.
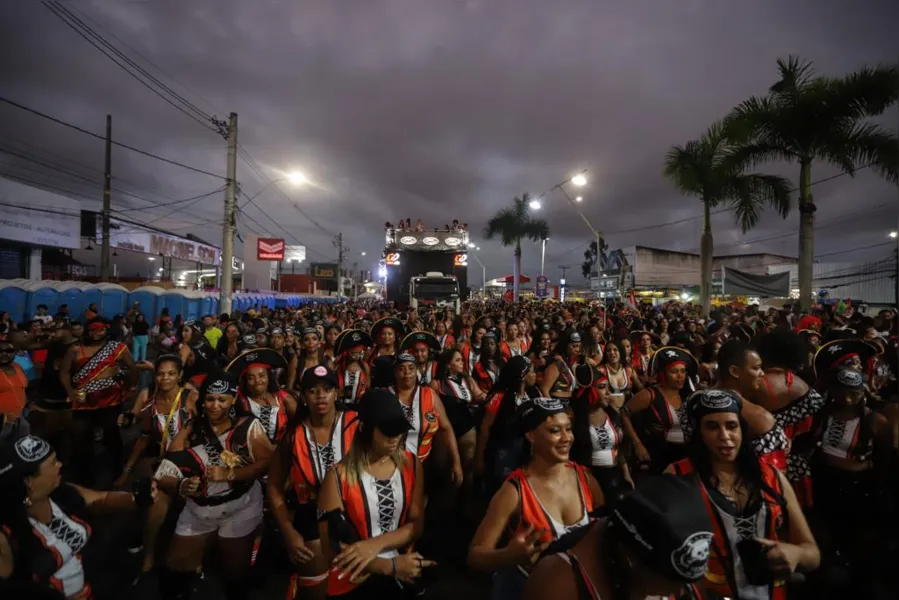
pixel 437 109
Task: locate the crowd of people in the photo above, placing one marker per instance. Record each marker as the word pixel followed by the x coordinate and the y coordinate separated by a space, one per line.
pixel 558 450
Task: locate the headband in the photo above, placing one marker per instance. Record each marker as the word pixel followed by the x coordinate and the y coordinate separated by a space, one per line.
pixel 97 325
pixel 311 330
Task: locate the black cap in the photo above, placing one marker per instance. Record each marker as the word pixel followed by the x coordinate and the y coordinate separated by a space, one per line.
pixel 707 402
pixel 319 374
pixel 665 522
pixel 382 409
pixel 850 378
pixel 219 383
pixel 534 411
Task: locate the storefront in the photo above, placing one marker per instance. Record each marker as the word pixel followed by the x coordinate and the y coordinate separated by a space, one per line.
pixel 32 219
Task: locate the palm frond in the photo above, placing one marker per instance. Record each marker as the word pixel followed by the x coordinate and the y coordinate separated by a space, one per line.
pixel 535 229
pixel 867 92
pixel 795 73
pixel 513 223
pixel 749 194
pixel 503 225
pixel 869 144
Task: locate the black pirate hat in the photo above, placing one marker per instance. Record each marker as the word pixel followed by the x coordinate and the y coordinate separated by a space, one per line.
pixel 583 374
pixel 351 338
pixel 636 334
pixel 668 355
pixel 420 337
pixel 391 322
pixel 834 353
pixel 266 357
pixel 742 332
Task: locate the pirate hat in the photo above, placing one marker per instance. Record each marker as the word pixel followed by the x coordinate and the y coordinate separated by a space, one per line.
pixel 351 338
pixel 268 358
pixel 636 334
pixel 742 332
pixel 834 353
pixel 391 322
pixel 584 375
pixel 667 356
pixel 420 337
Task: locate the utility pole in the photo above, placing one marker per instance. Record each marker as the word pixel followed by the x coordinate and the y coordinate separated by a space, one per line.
pixel 107 194
pixel 563 282
pixel 338 241
pixel 229 224
pixel 543 241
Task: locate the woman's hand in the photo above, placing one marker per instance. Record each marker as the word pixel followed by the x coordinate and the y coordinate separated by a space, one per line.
pixel 297 550
pixel 353 559
pixel 122 480
pixel 190 487
pixel 783 558
pixel 409 566
pixel 525 546
pixel 642 455
pixel 457 474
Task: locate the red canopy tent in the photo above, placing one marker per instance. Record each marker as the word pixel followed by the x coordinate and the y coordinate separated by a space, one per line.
pixel 521 279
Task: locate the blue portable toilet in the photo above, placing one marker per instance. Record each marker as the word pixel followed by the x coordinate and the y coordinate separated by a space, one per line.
pixel 176 302
pixel 14 298
pixel 147 298
pixel 194 304
pixel 210 304
pixel 114 300
pixel 71 293
pixel 93 295
pixel 40 292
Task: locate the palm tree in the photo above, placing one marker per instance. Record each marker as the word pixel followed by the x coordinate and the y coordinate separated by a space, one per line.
pixel 706 168
pixel 513 224
pixel 807 118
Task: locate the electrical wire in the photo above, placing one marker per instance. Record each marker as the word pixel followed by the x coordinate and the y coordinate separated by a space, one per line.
pixel 120 59
pixel 114 143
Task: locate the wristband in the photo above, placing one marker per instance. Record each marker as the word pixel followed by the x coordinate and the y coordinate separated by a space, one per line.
pixel 393 562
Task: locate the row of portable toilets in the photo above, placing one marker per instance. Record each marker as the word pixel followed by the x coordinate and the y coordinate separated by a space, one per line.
pixel 21 297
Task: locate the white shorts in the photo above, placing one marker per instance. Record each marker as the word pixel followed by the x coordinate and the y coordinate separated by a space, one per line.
pixel 234 519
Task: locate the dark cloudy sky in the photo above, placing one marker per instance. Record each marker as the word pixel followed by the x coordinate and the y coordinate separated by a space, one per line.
pixel 437 109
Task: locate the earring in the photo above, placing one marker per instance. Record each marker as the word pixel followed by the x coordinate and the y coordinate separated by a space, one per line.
pixel 232 413
pixel 27 502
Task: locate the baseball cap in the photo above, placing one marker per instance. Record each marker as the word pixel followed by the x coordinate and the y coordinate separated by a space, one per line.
pixel 664 521
pixel 381 408
pixel 319 374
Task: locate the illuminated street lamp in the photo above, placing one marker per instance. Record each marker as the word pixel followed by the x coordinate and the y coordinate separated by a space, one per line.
pixel 297 178
pixel 579 199
pixel 579 180
pixel 535 205
pixel 894 234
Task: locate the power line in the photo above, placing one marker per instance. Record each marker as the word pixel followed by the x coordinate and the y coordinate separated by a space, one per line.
pixel 124 43
pixel 114 143
pixel 146 208
pixel 120 59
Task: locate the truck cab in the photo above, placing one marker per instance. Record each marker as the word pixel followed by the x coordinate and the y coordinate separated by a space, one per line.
pixel 435 289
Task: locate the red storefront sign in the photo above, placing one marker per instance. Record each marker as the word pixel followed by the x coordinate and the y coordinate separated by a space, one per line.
pixel 270 249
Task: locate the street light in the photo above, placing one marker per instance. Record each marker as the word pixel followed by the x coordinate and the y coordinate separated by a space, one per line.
pixel 579 199
pixel 535 204
pixel 363 254
pixel 579 180
pixel 894 234
pixel 297 178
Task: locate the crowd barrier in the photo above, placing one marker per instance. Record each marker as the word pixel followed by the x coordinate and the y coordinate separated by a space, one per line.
pixel 21 297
